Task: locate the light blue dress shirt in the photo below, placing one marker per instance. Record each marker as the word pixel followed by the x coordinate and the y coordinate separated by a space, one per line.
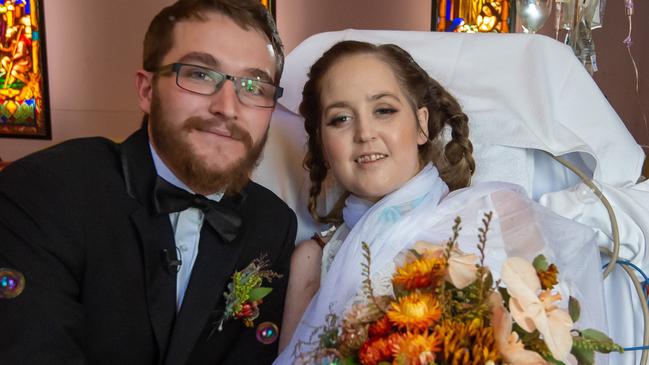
pixel 187 229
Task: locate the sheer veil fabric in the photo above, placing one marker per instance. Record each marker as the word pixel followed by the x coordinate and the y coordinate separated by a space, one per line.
pixel 424 210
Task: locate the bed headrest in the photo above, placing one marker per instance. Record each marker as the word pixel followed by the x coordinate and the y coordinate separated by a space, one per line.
pixel 519 90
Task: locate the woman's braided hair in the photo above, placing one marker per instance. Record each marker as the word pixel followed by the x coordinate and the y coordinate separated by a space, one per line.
pixel 453 160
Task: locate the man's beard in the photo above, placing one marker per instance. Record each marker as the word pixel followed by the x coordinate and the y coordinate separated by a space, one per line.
pixel 176 150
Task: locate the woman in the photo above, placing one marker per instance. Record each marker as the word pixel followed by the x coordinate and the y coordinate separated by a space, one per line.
pixel 375 120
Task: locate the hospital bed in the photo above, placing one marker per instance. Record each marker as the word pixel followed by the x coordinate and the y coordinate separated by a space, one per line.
pixel 537 119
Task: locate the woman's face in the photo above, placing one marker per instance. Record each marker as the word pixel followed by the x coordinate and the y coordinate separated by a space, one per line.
pixel 370 133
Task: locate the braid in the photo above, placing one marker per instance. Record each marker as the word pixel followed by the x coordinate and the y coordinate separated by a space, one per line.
pixel 454 161
pixel 458 152
pixel 310 109
pixel 317 174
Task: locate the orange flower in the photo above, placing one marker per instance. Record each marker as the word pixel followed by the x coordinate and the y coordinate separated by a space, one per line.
pixel 415 312
pixel 416 348
pixel 380 328
pixel 467 342
pixel 548 277
pixel 420 273
pixel 375 351
pixel 462 269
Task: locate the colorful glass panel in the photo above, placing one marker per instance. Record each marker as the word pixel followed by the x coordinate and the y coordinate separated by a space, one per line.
pixel 472 16
pixel 24 107
pixel 270 5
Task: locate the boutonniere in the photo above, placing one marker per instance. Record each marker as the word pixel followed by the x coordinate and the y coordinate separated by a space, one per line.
pixel 245 292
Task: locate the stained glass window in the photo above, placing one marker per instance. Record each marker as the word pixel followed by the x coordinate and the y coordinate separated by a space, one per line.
pixel 270 5
pixel 24 110
pixel 472 16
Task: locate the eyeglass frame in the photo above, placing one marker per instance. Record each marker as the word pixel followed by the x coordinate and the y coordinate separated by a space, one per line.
pixel 236 80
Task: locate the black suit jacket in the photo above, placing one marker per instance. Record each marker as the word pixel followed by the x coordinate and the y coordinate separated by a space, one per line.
pixel 77 220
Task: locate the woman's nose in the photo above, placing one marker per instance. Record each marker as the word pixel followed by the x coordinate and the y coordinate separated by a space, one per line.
pixel 364 131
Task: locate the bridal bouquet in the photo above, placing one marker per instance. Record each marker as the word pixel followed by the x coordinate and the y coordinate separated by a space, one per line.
pixel 447 309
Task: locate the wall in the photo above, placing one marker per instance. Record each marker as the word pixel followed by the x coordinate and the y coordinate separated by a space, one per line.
pixel 94 48
pixel 616 76
pixel 299 19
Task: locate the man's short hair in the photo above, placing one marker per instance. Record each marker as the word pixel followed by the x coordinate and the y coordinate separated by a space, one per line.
pixel 249 14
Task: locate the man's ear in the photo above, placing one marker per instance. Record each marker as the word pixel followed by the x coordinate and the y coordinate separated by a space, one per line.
pixel 144 87
pixel 422 119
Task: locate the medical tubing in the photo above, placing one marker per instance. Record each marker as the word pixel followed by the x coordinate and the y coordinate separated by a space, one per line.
pixel 636 348
pixel 634 266
pixel 614 255
pixel 639 270
pixel 614 227
pixel 643 305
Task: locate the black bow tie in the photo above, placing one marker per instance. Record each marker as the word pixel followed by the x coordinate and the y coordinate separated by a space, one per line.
pixel 221 215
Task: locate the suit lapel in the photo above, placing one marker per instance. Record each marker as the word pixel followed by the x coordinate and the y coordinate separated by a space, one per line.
pixel 155 235
pixel 160 282
pixel 212 272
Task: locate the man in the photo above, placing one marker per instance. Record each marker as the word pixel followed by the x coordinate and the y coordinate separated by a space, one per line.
pixel 123 264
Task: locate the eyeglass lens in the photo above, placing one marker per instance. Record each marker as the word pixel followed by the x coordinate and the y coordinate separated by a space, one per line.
pixel 205 81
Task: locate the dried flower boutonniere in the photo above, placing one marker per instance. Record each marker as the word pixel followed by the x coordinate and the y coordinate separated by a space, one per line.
pixel 245 293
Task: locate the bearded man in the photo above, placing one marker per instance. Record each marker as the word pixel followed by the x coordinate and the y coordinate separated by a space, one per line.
pixel 126 250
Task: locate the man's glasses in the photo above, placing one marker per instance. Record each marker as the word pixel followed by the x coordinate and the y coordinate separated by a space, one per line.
pixel 204 81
